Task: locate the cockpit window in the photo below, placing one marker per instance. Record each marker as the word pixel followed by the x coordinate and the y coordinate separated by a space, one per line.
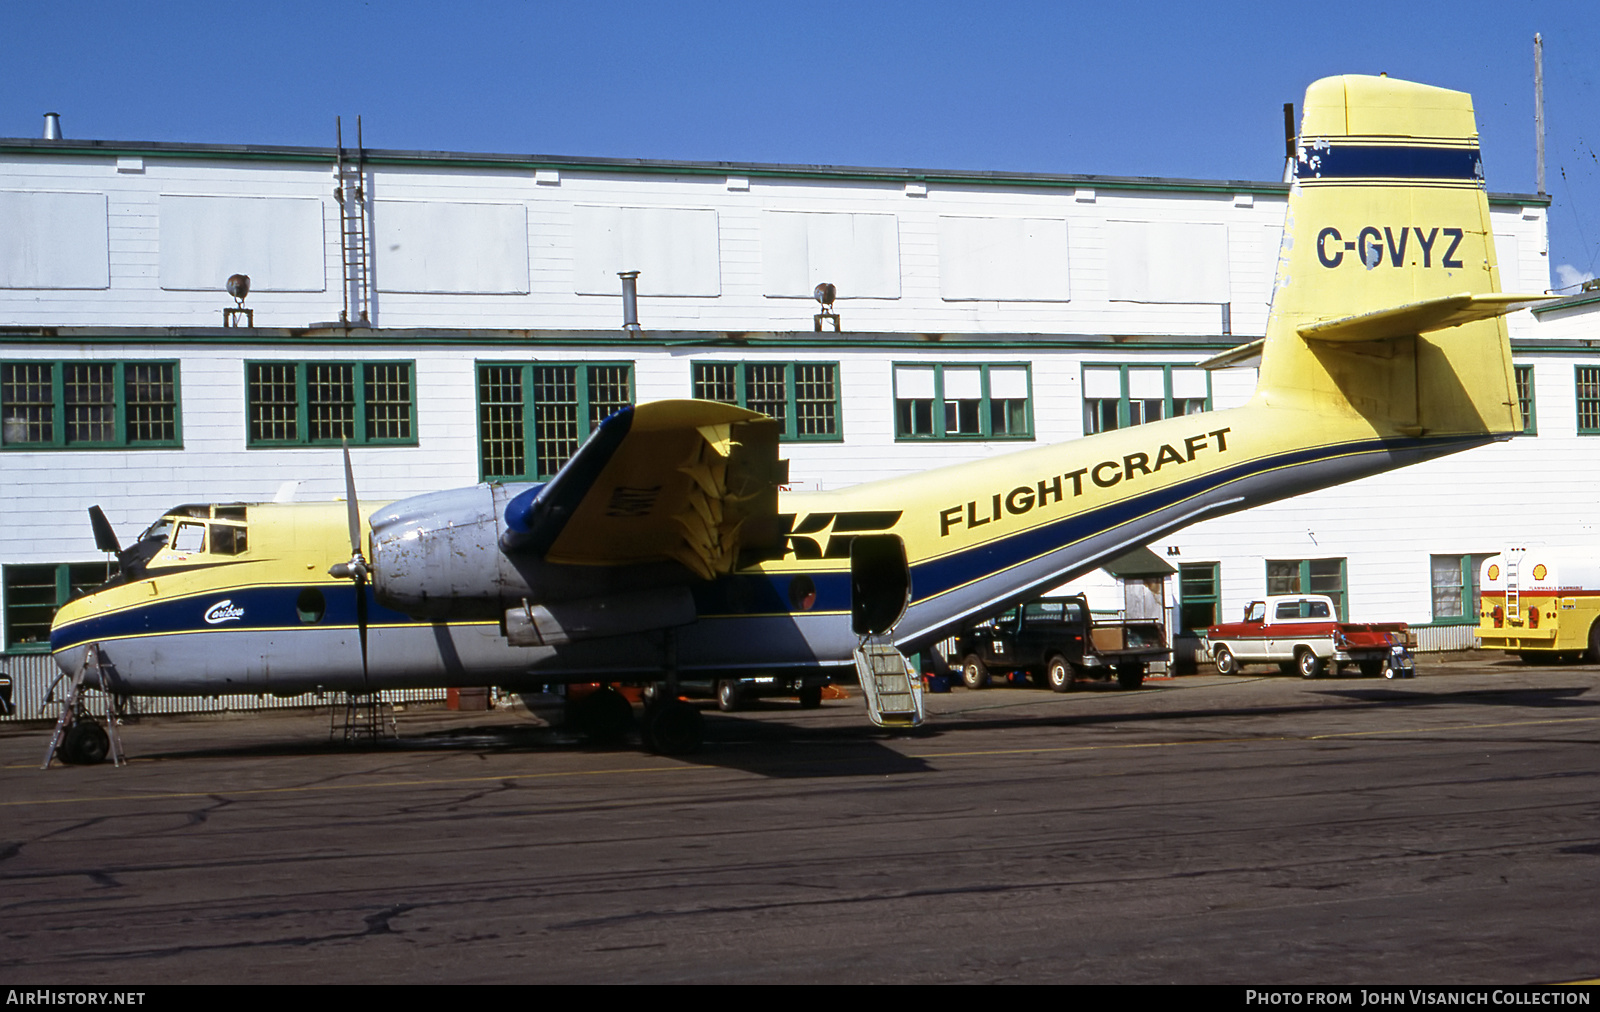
pixel 227 539
pixel 189 538
pixel 160 529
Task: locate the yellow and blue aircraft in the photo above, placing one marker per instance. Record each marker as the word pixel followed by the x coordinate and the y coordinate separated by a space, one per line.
pixel 668 546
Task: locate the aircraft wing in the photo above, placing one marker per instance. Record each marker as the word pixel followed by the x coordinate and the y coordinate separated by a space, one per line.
pixel 1418 317
pixel 695 481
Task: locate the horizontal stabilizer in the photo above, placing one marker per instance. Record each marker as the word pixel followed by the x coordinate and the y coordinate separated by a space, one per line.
pixel 1418 317
pixel 1243 354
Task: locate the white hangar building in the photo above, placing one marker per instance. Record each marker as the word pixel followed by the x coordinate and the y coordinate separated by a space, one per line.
pixel 459 317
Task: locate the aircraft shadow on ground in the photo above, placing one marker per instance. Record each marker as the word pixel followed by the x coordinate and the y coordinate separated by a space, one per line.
pixel 780 749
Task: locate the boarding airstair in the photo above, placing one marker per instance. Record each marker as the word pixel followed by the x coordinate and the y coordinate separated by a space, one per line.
pixel 892 688
pixel 350 191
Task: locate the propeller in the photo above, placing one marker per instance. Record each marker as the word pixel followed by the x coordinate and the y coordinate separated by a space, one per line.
pixel 356 569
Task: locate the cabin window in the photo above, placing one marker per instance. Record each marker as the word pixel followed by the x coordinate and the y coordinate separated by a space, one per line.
pixel 532 416
pixel 33 593
pixel 326 403
pixel 1455 589
pixel 802 396
pixel 1525 402
pixel 1309 576
pixel 88 405
pixel 1198 596
pixel 949 401
pixel 1117 396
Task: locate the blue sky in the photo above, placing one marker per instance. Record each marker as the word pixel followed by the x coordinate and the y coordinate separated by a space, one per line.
pixel 1117 88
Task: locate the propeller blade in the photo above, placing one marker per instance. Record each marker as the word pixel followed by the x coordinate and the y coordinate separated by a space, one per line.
pixel 361 628
pixel 350 502
pixel 356 568
pixel 105 538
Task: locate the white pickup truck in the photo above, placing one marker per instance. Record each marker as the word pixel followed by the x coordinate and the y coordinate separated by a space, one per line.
pixel 1302 632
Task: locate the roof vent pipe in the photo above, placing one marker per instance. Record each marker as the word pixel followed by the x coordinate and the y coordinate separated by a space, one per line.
pixel 52 126
pixel 630 300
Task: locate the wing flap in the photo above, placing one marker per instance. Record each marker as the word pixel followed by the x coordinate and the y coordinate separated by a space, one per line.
pixel 1418 317
pixel 693 481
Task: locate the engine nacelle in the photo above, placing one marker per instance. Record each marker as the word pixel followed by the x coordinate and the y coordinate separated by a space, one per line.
pixel 438 555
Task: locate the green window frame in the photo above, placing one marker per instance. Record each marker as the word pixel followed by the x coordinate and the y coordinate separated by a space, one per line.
pixel 325 403
pixel 90 405
pixel 35 592
pixel 960 400
pixel 1199 596
pixel 1454 589
pixel 1587 379
pixel 1525 400
pixel 1118 396
pixel 1310 576
pixel 802 396
pixel 533 416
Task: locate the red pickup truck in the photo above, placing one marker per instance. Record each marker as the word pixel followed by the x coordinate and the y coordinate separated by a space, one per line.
pixel 1302 632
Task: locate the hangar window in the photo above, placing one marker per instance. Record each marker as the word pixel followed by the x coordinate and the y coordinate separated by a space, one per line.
pixel 802 396
pixel 88 405
pixel 324 403
pixel 1117 396
pixel 1309 576
pixel 532 416
pixel 1588 400
pixel 1455 588
pixel 34 593
pixel 1530 417
pixel 948 401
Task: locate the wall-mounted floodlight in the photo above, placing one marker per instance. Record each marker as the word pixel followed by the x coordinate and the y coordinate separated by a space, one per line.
pixel 825 293
pixel 238 286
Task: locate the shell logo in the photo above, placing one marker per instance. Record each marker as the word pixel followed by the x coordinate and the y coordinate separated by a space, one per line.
pixel 1539 572
pixel 1494 572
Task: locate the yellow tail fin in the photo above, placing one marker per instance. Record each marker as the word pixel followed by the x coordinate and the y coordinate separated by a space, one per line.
pixel 1386 304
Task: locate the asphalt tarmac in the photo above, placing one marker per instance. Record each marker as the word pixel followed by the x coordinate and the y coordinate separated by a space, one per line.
pixel 1251 830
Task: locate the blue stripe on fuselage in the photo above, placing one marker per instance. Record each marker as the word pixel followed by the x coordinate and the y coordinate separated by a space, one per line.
pixel 768 593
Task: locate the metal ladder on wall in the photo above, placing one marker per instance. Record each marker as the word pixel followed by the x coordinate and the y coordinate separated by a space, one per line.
pixel 892 688
pixel 350 191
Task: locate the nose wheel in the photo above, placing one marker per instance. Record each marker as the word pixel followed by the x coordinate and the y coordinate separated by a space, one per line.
pixel 79 739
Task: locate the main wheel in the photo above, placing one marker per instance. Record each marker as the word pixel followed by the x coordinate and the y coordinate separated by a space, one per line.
pixel 673 728
pixel 1226 663
pixel 1059 674
pixel 1130 674
pixel 605 715
pixel 729 696
pixel 974 674
pixel 810 697
pixel 84 744
pixel 1307 663
pixel 1592 655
